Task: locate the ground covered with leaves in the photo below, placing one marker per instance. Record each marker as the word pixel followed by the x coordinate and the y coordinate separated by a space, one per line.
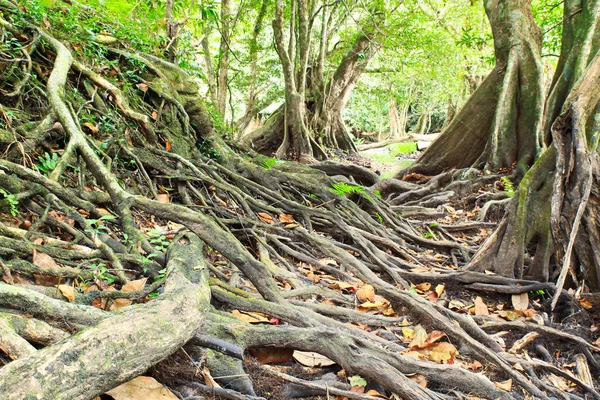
pixel 144 256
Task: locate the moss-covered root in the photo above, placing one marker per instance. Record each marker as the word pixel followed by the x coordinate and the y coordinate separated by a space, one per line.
pixel 120 347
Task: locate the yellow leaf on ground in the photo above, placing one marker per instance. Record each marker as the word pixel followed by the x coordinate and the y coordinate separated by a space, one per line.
pixel 310 359
pixel 480 307
pixel 67 291
pixel 142 388
pixel 408 333
pixel 208 379
pixel 253 318
pixel 439 289
pixel 423 286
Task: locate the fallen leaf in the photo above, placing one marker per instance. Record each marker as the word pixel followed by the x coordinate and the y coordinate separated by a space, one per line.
pixel 419 379
pixel 266 218
pixel 154 115
pixel 480 307
pixel 408 333
pixel 419 338
pixel 167 145
pixel 143 87
pixel 142 388
pixel 365 293
pixel 520 301
pixel 93 128
pixel 475 365
pixel 310 359
pixel 43 260
pixel 357 380
pixel 585 303
pixel 67 291
pixel 439 289
pixel 163 197
pixel 271 355
pixel 286 218
pixel 252 318
pixel 105 39
pixel 132 286
pixel 506 385
pixel 423 286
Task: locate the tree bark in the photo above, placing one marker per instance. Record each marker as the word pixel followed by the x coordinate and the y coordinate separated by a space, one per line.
pixel 223 67
pixel 501 122
pixel 567 173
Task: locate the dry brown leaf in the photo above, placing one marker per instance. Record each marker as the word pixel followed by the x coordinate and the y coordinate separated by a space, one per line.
pixel 93 128
pixel 43 260
pixel 419 379
pixel 132 286
pixel 480 307
pixel 67 291
pixel 286 218
pixel 423 287
pixel 163 197
pixel 506 385
pixel 475 365
pixel 142 388
pixel 342 286
pixel 585 303
pixel 310 359
pixel 520 301
pixel 167 144
pixel 271 355
pixel 365 293
pixel 266 218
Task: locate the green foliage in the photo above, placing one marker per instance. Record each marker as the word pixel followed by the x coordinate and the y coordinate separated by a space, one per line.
pixel 508 186
pixel 267 162
pixel 357 380
pixel 94 225
pixel 11 201
pixel 47 163
pixel 207 149
pixel 343 189
pixel 101 272
pixel 159 241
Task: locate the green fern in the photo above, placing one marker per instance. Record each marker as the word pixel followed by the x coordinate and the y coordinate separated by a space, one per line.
pixel 343 189
pixel 267 162
pixel 508 186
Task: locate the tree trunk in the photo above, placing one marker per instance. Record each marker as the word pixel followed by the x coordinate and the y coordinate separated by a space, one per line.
pixel 223 68
pixel 567 173
pixel 501 122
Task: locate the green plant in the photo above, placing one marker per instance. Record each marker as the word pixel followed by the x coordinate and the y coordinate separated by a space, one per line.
pixel 379 217
pixel 508 186
pixel 159 241
pixel 101 272
pixel 342 189
pixel 48 163
pixel 428 235
pixel 94 225
pixel 267 162
pixel 11 201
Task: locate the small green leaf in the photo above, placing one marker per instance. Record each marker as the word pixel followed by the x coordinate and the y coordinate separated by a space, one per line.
pixel 357 380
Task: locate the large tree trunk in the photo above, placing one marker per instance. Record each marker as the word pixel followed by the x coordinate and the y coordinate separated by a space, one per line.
pixel 324 113
pixel 500 124
pixel 567 173
pixel 223 67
